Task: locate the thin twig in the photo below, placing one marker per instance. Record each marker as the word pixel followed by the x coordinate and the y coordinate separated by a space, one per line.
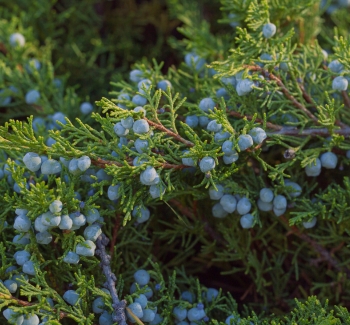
pixel 169 132
pixel 324 132
pixel 118 305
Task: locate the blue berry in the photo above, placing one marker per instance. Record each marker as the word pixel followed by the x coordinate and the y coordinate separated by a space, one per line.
pixel 71 258
pixel 22 223
pixel 247 221
pixel 141 145
pixel 216 194
pixel 141 214
pixel 17 39
pixel 28 268
pixel 92 232
pixel 31 320
pixel 21 257
pixel 21 240
pixel 157 320
pixel 203 121
pixel 200 305
pixel 71 297
pixel 329 160
pixel 56 206
pixel 207 164
pixel 340 83
pixel 194 60
pixel 218 211
pixel 229 81
pixel 313 168
pixel 32 161
pixel 12 317
pixel 105 319
pixel 245 141
pixel 32 96
pixel 136 75
pixel 59 117
pixel 123 96
pixel 119 130
pixel 228 203
pixel 222 92
pixel 227 148
pixel 98 305
pixel 157 286
pixel 335 66
pixel 266 195
pixel 92 215
pixel 113 192
pixel 136 310
pixel 86 108
pixel 243 206
pixel 164 84
pixel 140 126
pixel 192 121
pixel 212 293
pixel 187 296
pixel 230 159
pixel 50 220
pixel 296 188
pixel 141 277
pixel 188 161
pixel 180 313
pixel 206 104
pixel 221 136
pixel 144 83
pixel 66 222
pixel 142 300
pixel 11 285
pixel 269 30
pixel 149 176
pixel 140 109
pixel 43 238
pixel 156 190
pixel 139 100
pixel 127 123
pixel 264 206
pixel 244 87
pixel 213 126
pixel 310 224
pixel 148 315
pixel 84 163
pixel 280 202
pixel 230 320
pixel 278 212
pixel 195 314
pixel 50 167
pixel 87 248
pixel 258 135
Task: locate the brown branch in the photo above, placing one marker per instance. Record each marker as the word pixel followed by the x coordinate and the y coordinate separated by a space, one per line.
pixel 284 90
pixel 346 98
pixel 324 132
pixel 325 254
pixel 169 132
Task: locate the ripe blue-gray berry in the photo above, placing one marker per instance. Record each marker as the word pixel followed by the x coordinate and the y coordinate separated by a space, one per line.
pixel 86 108
pixel 156 190
pixel 227 147
pixel 195 314
pixel 66 222
pixel 280 202
pixel 258 135
pixel 105 319
pixel 194 60
pixel 339 83
pixel 87 248
pixel 50 166
pixel 28 268
pixel 230 159
pixel 92 215
pixel 71 297
pixel 206 104
pixel 266 195
pixel 207 164
pixel 136 309
pixel 136 75
pixel 310 224
pixel 247 221
pixel 278 212
pixel 264 206
pixel 149 176
pixel 180 313
pixel 245 141
pixel 141 277
pixel 164 84
pixel 32 96
pixel 243 206
pixel 32 161
pixel 329 160
pixel 56 206
pixel 140 126
pixel 218 211
pixel 84 163
pixel 140 109
pixel 313 168
pixel 43 238
pixel 127 123
pixel 141 214
pixel 296 188
pixel 113 192
pixel 335 66
pixel 148 315
pixel 203 121
pixel 228 203
pixel 213 126
pixel 141 145
pixel 119 130
pixel 139 100
pixel 92 232
pixel 221 136
pixel 17 39
pixel 22 223
pixel 71 258
pixel 244 87
pixel 11 285
pixel 216 194
pixel 192 121
pixel 269 30
pixel 188 161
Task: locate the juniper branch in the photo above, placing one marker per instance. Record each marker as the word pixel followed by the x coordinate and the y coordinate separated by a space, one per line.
pixel 118 305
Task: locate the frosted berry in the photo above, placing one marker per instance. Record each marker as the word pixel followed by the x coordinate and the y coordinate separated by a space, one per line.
pixel 228 203
pixel 71 297
pixel 66 222
pixel 141 214
pixel 339 83
pixel 195 314
pixel 31 320
pixel 127 123
pixel 22 223
pixel 32 161
pixel 230 159
pixel 247 221
pixel 206 104
pixel 264 206
pixel 243 206
pixel 313 168
pixel 245 141
pixel 136 310
pixel 140 126
pixel 12 317
pixel 17 39
pixel 207 164
pixel 21 257
pixel 56 206
pixel 148 315
pixel 136 75
pixel 218 211
pixel 140 109
pixel 28 268
pixel 228 148
pixel 216 194
pixel 335 66
pixel 280 202
pixel 266 195
pixel 141 277
pixel 32 96
pixel 119 130
pixel 84 163
pixel 98 305
pixel 164 84
pixel 310 224
pixel 105 319
pixel 86 108
pixel 11 285
pixel 139 100
pixel 278 212
pixel 221 136
pixel 269 30
pixel 156 190
pixel 188 161
pixel 180 313
pixel 194 60
pixel 258 135
pixel 213 126
pixel 212 293
pixel 141 145
pixel 50 166
pixel 203 121
pixel 92 215
pixel 43 238
pixel 113 192
pixel 192 121
pixel 142 300
pixel 244 87
pixel 296 188
pixel 329 160
pixel 71 258
pixel 148 176
pixel 92 232
pixel 87 248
